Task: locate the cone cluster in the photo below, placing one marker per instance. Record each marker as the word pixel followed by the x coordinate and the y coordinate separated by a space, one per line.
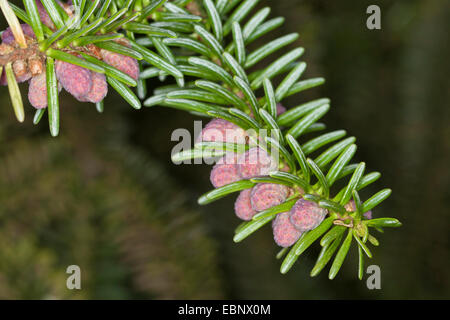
pixel 83 84
pixel 257 162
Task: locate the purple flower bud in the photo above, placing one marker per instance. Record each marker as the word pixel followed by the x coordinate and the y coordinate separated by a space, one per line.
pixel 229 158
pixel 8 37
pixel 223 174
pixel 243 207
pixel 45 18
pixel 256 162
pixel 284 232
pixel 219 130
pixel 37 91
pixel 126 64
pixel 99 88
pixel 267 195
pixel 306 215
pixel 76 80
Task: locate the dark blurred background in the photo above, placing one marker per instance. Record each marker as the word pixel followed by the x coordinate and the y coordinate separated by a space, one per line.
pixel 105 195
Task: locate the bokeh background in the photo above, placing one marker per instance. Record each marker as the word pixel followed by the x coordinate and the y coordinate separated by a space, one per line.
pixel 104 195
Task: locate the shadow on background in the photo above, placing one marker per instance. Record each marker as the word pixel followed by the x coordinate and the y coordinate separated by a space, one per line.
pixel 104 195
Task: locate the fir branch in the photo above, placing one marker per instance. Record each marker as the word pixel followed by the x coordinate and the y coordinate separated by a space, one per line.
pixel 209 42
pixel 229 64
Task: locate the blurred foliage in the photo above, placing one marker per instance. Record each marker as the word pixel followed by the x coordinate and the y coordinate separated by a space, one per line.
pixel 90 200
pixel 105 196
